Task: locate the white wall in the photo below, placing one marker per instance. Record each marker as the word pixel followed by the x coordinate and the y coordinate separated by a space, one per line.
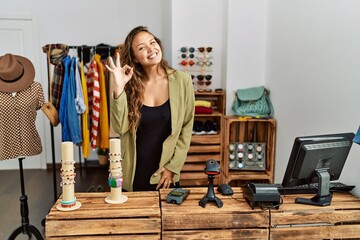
pixel 313 71
pixel 199 24
pixel 246 46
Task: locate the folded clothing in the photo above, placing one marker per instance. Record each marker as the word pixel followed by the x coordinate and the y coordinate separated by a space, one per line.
pixel 203 110
pixel 202 103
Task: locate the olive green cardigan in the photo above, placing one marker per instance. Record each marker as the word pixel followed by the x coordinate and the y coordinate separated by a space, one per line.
pixel 176 146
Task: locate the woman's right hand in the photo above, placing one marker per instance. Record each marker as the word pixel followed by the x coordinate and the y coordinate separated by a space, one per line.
pixel 122 75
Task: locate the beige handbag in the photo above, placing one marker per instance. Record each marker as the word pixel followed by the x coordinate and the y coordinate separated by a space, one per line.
pixel 48 108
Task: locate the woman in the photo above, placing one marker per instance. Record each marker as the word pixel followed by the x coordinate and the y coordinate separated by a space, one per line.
pixel 153 111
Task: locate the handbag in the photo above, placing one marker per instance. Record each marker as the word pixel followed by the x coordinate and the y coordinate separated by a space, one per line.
pixel 253 102
pixel 48 108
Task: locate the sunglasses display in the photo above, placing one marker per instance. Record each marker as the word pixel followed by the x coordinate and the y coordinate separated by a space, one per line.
pixel 196 60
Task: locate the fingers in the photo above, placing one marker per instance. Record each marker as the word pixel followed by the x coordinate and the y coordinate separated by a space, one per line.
pixel 160 170
pixel 128 70
pixel 165 183
pixel 166 179
pixel 117 59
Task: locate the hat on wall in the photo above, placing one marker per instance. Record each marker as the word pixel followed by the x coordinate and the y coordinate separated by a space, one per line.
pixel 16 73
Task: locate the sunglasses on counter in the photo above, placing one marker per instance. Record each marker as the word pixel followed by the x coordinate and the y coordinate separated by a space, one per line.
pixel 207 49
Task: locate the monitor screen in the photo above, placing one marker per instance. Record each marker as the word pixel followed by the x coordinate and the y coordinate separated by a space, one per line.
pixel 319 159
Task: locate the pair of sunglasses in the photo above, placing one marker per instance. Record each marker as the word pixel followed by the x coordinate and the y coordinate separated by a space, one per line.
pixel 204 82
pixel 201 77
pixel 185 49
pixel 204 63
pixel 184 63
pixel 207 49
pixel 184 55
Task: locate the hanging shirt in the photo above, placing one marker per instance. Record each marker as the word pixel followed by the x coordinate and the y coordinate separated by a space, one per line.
pixel 103 130
pixel 94 101
pixel 73 116
pixel 65 132
pixel 84 117
pixel 18 134
pixel 79 99
pixel 69 119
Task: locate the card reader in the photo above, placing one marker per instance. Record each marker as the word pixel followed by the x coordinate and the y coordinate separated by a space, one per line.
pixel 262 194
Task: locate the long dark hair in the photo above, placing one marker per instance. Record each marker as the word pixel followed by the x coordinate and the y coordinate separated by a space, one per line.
pixel 134 88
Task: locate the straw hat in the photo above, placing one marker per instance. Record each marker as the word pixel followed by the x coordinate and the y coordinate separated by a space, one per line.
pixel 16 73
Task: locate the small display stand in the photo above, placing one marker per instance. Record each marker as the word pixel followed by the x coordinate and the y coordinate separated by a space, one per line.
pixel 67 173
pixel 115 179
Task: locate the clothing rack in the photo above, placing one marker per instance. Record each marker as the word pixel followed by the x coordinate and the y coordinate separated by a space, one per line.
pixel 84 52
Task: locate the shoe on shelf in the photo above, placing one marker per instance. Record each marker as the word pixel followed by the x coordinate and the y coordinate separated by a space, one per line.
pixel 211 127
pixel 199 128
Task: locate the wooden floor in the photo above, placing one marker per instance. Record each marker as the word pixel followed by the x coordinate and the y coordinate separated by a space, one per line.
pixel 40 192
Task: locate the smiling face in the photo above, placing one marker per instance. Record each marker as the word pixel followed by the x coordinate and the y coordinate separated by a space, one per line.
pixel 146 50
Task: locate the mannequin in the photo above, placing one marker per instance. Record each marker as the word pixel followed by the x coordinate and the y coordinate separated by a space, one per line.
pixel 21 98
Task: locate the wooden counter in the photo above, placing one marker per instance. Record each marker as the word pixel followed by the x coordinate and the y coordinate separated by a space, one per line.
pixel 339 220
pixel 147 215
pixel 235 220
pixel 138 218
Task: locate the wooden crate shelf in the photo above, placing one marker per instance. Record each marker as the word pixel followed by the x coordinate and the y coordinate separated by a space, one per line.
pixel 242 130
pixel 207 146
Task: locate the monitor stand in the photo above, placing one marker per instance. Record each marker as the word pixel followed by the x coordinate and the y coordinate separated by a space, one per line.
pixel 323 196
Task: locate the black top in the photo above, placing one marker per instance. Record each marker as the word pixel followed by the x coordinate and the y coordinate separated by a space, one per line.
pixel 154 128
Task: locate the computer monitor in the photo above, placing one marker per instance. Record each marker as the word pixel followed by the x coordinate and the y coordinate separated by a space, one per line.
pixel 319 159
